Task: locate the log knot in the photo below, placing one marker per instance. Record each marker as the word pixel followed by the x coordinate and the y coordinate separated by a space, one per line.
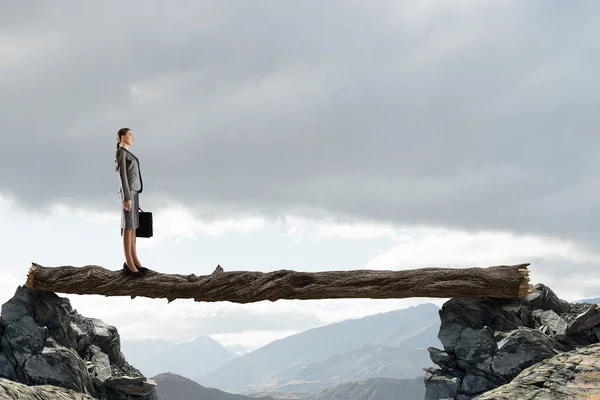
pixel 218 270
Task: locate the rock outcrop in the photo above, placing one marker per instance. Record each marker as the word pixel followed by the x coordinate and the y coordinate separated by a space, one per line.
pixel 571 375
pixel 10 390
pixel 489 342
pixel 43 341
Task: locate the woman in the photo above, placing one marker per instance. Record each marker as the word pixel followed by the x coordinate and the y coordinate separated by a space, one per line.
pixel 128 167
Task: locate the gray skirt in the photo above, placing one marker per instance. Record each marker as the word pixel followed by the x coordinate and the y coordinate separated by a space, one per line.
pixel 131 219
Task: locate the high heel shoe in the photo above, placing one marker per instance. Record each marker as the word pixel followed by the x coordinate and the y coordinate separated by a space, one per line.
pixel 141 269
pixel 130 272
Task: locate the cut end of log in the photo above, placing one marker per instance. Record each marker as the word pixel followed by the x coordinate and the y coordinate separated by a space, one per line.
pixel 32 269
pixel 525 287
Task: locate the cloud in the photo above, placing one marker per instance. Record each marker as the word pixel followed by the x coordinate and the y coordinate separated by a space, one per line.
pixel 406 133
pixel 443 247
pixel 438 114
pixel 180 222
pixel 330 228
pixel 569 268
pixel 185 319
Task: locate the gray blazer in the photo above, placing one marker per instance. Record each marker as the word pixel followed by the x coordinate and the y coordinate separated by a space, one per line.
pixel 129 171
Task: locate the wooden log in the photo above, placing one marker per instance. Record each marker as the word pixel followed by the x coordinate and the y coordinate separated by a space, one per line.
pixel 503 281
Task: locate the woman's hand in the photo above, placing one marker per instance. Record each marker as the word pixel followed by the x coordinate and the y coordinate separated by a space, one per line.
pixel 127 205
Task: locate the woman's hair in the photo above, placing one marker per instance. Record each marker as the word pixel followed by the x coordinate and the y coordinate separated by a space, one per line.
pixel 120 135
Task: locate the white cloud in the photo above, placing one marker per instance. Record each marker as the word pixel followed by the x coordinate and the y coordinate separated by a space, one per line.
pixel 567 267
pixel 329 229
pixel 269 246
pixel 446 248
pixel 177 221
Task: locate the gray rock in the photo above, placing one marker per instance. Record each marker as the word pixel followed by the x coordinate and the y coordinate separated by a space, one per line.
pixel 475 384
pixel 100 370
pixel 6 368
pixel 544 299
pixel 497 314
pixel 440 357
pixel 584 321
pixel 10 390
pixel 449 334
pixel 43 341
pixel 107 338
pixel 476 346
pixel 83 344
pixel 441 385
pixel 570 375
pixel 61 331
pixel 59 366
pixel 520 349
pixel 490 341
pixel 11 358
pixel 25 334
pixel 132 385
pixel 13 310
pixel 556 327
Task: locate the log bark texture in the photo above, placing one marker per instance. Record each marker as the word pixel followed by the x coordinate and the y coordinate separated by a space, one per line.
pixel 503 281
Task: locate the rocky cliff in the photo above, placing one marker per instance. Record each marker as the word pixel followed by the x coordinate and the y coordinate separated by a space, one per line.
pixel 571 375
pixel 43 341
pixel 11 390
pixel 489 342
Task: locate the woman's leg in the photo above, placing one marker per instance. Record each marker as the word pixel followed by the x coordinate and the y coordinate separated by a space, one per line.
pixel 127 247
pixel 134 249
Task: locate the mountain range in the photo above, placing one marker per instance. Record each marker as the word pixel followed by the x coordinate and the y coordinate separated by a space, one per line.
pixel 594 300
pixel 391 344
pixel 175 387
pixel 193 358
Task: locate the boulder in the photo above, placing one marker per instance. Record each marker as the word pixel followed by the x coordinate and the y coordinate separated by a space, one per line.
pixel 441 358
pixel 440 385
pixel 26 336
pixel 487 342
pixel 497 314
pixel 545 299
pixel 571 375
pixel 59 366
pixel 585 321
pixel 43 341
pixel 477 346
pixel 11 390
pixel 6 368
pixel 556 326
pixel 520 349
pixel 474 384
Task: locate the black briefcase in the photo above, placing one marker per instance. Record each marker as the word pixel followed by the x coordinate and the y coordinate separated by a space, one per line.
pixel 145 229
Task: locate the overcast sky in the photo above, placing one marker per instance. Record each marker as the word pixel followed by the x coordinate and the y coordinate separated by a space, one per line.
pixel 303 135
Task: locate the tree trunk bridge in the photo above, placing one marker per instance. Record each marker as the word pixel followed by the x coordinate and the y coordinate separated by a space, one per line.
pixel 503 281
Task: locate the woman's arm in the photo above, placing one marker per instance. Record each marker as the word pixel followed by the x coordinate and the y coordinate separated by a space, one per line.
pixel 123 175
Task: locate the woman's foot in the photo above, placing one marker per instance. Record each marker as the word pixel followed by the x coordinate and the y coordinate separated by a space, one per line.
pixel 130 272
pixel 138 265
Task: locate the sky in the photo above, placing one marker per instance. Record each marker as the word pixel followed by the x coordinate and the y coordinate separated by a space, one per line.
pixel 311 136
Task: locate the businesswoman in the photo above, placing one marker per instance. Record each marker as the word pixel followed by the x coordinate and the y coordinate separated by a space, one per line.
pixel 128 167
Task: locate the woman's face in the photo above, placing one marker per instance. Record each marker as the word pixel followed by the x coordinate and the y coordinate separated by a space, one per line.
pixel 128 138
